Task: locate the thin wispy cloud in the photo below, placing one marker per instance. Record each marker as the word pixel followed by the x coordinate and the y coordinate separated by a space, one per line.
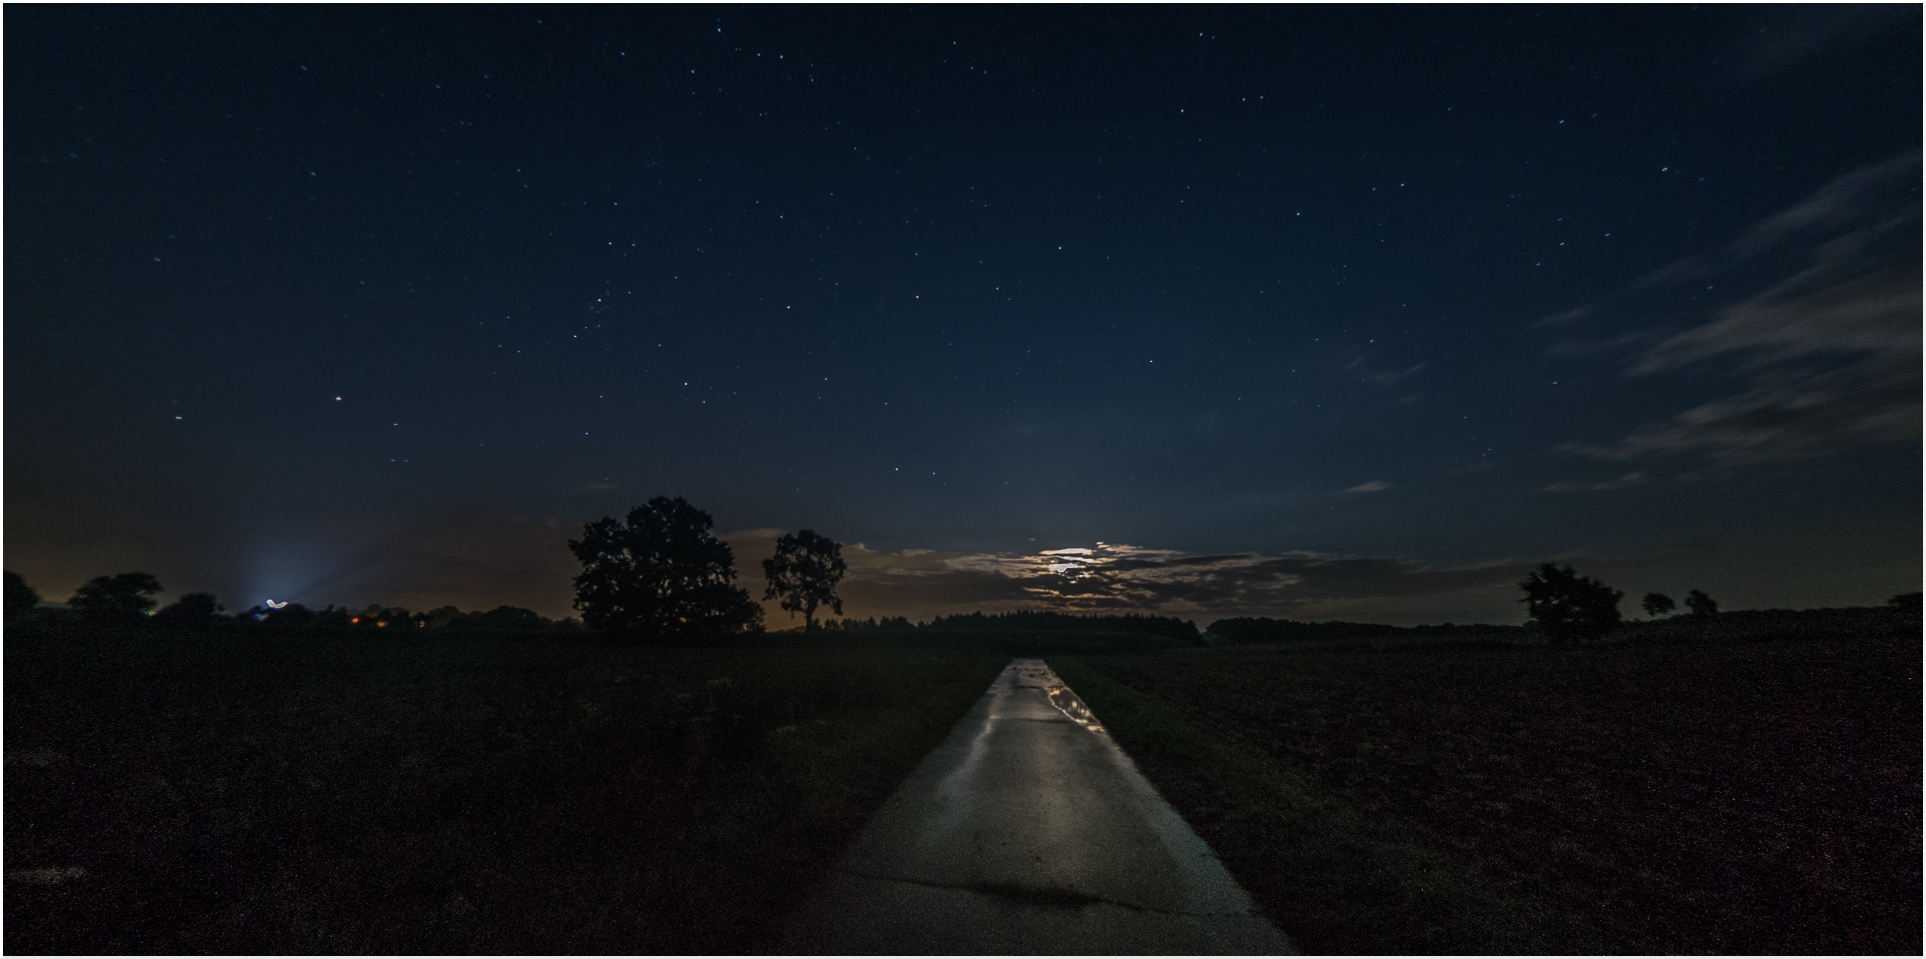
pixel 1628 480
pixel 1830 335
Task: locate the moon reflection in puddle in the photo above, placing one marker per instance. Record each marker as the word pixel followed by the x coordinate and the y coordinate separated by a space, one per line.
pixel 1066 702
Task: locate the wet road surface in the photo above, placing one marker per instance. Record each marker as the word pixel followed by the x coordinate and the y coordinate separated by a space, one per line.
pixel 1029 832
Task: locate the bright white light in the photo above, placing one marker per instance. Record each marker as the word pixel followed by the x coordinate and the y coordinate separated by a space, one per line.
pixel 274 605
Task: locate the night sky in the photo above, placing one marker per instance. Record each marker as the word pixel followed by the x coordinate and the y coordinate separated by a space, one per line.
pixel 1348 313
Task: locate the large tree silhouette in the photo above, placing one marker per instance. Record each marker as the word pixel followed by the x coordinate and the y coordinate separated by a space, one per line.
pixel 804 573
pixel 123 597
pixel 1570 607
pixel 659 575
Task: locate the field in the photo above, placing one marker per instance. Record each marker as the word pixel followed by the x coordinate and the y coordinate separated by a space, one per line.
pixel 257 793
pixel 1716 796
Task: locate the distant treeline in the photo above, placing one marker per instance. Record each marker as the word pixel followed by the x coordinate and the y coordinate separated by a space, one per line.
pixel 1245 630
pixel 1737 624
pixel 503 619
pixel 1033 621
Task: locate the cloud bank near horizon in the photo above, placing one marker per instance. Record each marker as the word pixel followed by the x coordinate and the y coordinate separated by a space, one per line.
pixel 1112 578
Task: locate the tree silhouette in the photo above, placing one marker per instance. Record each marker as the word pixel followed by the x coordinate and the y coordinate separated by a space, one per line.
pixel 1569 607
pixel 659 575
pixel 20 598
pixel 1658 604
pixel 804 572
pixel 193 611
pixel 124 597
pixel 1700 604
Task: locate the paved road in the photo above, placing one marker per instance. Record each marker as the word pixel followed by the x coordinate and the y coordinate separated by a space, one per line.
pixel 1029 832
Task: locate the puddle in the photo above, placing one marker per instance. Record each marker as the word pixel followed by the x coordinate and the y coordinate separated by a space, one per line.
pixel 1035 674
pixel 1068 704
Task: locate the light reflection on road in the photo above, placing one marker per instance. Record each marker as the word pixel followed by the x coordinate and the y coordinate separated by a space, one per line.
pixel 1033 672
pixel 1068 704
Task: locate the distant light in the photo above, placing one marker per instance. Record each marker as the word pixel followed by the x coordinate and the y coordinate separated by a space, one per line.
pixel 274 605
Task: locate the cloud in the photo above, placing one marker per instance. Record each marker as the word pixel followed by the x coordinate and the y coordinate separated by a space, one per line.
pixel 1120 578
pixel 1795 416
pixel 1797 35
pixel 1830 335
pixel 1388 378
pixel 1610 344
pixel 1629 479
pixel 1850 214
pixel 1567 317
pixel 1879 313
pixel 1371 487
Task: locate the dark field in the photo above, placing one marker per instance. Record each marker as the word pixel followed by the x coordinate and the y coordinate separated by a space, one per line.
pixel 260 793
pixel 1711 797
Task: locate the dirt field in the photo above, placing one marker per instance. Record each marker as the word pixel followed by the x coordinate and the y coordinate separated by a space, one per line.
pixel 1756 797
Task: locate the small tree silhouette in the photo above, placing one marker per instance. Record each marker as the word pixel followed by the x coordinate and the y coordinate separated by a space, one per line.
pixel 804 572
pixel 1700 604
pixel 1658 604
pixel 124 597
pixel 1569 607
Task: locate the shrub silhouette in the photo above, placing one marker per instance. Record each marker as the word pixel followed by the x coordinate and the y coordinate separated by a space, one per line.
pixel 21 598
pixel 507 618
pixel 1658 604
pixel 192 611
pixel 124 597
pixel 285 617
pixel 804 573
pixel 1700 604
pixel 659 575
pixel 1569 607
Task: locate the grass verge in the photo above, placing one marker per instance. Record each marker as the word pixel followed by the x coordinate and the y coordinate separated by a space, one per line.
pixel 314 794
pixel 1335 879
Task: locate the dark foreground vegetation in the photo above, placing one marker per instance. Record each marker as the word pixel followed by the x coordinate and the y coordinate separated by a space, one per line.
pixel 668 777
pixel 1749 784
pixel 439 791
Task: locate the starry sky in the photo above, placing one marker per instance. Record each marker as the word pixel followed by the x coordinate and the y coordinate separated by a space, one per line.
pixel 1327 313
